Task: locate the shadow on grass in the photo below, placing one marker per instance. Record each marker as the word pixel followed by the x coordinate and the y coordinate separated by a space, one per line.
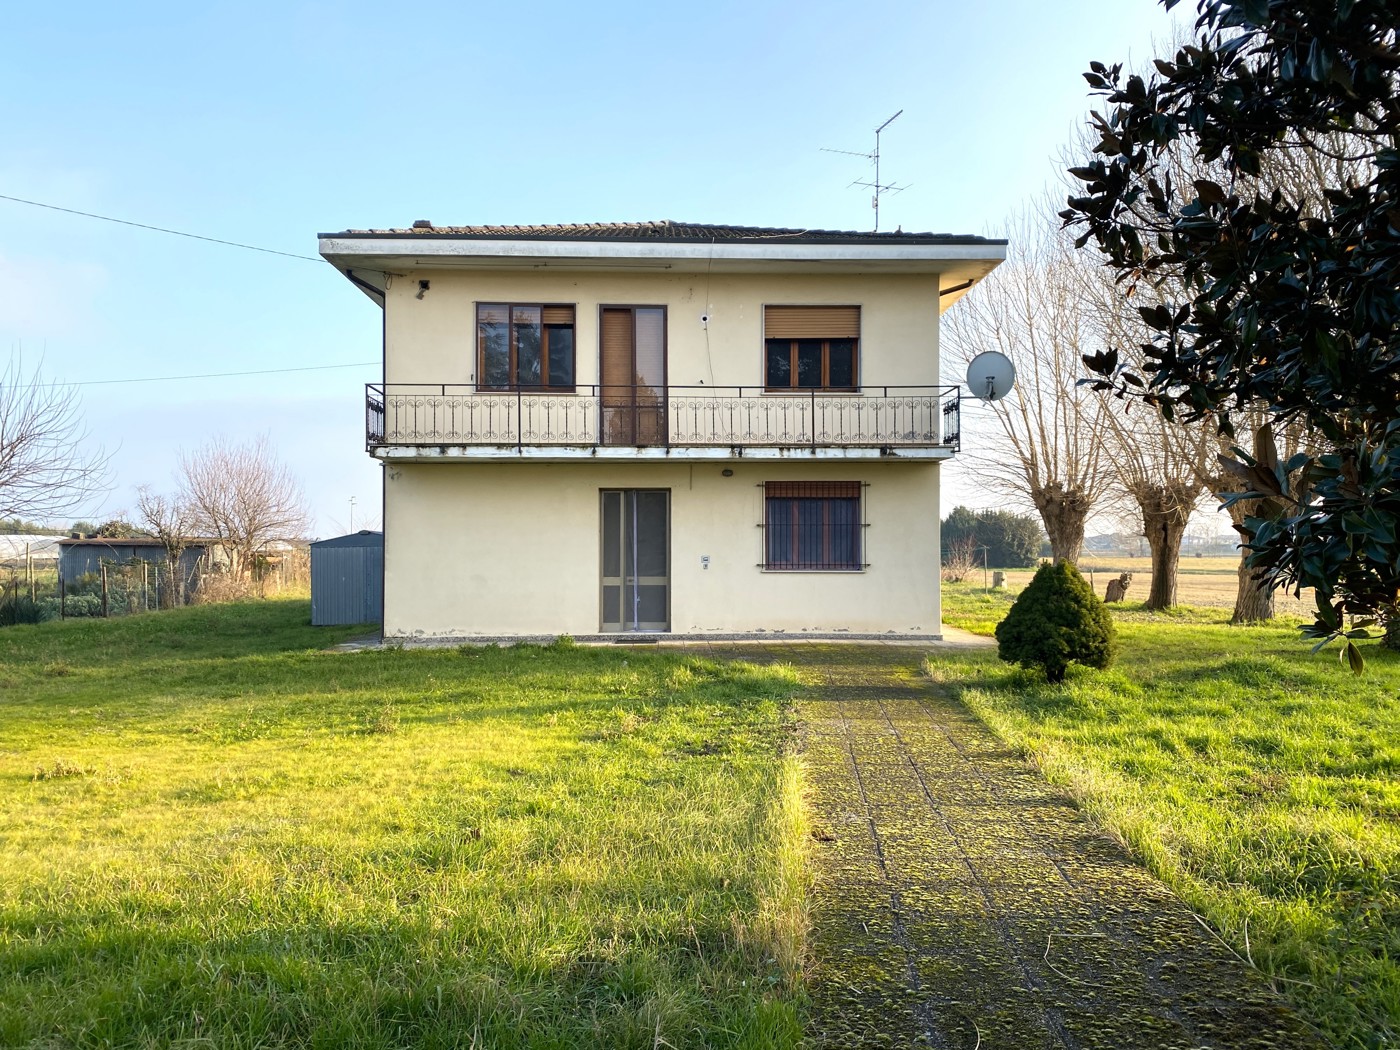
pixel 389 983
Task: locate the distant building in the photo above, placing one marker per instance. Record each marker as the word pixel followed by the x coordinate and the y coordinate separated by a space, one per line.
pixel 79 557
pixel 15 547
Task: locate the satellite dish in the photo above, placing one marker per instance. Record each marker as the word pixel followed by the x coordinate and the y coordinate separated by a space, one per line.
pixel 990 376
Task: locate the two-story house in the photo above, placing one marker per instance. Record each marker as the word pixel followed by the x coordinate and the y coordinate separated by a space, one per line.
pixel 660 427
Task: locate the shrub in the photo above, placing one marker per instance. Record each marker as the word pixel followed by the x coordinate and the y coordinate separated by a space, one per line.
pixel 20 608
pixel 1057 620
pixel 75 605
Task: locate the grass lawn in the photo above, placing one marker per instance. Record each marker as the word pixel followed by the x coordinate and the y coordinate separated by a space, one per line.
pixel 212 833
pixel 1258 781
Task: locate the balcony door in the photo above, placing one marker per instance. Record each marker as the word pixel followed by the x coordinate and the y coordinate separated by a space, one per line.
pixel 633 390
pixel 636 560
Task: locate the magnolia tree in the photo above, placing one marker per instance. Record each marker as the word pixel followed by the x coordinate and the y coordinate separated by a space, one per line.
pixel 1268 303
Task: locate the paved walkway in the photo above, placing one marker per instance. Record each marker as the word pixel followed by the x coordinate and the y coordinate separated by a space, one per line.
pixel 964 903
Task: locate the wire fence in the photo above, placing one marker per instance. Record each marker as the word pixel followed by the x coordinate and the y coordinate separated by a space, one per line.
pixel 34 591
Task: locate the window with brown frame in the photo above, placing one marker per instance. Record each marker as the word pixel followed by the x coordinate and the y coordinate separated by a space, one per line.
pixel 525 346
pixel 812 526
pixel 811 347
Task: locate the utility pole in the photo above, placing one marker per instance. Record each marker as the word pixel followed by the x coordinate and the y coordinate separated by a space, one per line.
pixel 352 513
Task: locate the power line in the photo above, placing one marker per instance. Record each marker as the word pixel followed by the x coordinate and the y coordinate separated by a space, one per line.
pixel 159 229
pixel 216 375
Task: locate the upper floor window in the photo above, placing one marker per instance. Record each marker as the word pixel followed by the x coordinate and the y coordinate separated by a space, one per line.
pixel 524 345
pixel 811 347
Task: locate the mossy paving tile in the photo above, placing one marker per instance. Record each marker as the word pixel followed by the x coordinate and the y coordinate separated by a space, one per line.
pixel 962 901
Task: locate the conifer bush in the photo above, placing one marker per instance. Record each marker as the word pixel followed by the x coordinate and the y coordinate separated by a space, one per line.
pixel 1056 621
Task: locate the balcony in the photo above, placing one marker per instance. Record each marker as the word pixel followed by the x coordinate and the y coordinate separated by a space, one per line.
pixel 425 422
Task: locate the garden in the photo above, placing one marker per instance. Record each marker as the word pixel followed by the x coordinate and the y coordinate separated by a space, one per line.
pixel 217 831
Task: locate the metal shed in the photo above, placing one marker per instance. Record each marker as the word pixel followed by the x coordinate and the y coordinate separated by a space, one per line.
pixel 347 579
pixel 81 556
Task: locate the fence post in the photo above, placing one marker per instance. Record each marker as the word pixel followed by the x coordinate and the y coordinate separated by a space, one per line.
pixel 29 570
pixel 104 591
pixel 62 597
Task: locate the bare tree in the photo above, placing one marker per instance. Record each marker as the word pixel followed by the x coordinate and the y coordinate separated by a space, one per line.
pixel 1165 466
pixel 44 469
pixel 960 559
pixel 1050 444
pixel 243 497
pixel 171 520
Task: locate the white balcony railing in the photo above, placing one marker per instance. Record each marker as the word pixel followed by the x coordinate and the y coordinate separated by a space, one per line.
pixel 676 417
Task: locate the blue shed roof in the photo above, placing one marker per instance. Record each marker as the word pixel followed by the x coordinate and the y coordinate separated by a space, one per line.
pixel 363 538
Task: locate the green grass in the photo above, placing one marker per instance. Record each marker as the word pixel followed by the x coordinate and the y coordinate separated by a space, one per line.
pixel 1258 781
pixel 212 833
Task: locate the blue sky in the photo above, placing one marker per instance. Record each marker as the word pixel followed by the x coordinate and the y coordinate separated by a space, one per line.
pixel 267 123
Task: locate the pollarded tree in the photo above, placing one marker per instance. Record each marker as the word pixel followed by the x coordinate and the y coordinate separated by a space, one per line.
pixel 1280 308
pixel 1230 482
pixel 1049 444
pixel 1164 466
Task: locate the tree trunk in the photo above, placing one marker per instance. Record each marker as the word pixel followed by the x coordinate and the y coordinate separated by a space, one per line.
pixel 1063 513
pixel 1166 511
pixel 1254 600
pixel 1391 638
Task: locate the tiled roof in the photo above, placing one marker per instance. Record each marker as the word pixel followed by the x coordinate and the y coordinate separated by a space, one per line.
pixel 667 231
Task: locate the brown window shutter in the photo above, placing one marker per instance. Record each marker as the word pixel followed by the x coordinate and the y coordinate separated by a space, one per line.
pixel 812 489
pixel 811 322
pixel 617 357
pixel 558 315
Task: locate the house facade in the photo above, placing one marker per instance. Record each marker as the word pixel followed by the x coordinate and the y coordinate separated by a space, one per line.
pixel 660 427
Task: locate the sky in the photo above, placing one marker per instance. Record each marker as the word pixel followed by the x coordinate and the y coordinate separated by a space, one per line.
pixel 266 123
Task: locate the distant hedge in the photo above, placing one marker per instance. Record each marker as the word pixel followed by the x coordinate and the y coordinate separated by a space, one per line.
pixel 1013 541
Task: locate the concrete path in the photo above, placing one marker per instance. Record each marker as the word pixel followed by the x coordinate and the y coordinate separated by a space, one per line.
pixel 964 903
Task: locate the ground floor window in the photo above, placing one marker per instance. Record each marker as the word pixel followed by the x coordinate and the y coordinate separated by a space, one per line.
pixel 812 526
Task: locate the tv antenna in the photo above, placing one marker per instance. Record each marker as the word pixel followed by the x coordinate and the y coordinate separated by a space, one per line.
pixel 877 188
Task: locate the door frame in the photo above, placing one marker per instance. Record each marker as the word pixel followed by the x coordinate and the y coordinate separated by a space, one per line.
pixel 602 554
pixel 665 369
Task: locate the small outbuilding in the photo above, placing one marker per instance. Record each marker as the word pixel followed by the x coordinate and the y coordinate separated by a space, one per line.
pixel 347 579
pixel 85 555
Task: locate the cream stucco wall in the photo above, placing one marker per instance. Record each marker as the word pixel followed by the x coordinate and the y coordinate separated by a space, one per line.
pixel 432 340
pixel 477 549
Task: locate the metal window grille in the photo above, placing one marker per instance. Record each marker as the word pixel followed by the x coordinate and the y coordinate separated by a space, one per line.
pixel 813 526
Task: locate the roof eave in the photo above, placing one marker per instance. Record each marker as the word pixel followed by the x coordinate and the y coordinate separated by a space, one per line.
pixel 418 251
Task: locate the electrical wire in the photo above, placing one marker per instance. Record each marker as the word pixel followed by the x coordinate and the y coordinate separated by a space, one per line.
pixel 160 229
pixel 217 375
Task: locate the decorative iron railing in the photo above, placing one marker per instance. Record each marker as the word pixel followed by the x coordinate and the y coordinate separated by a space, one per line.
pixel 675 417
